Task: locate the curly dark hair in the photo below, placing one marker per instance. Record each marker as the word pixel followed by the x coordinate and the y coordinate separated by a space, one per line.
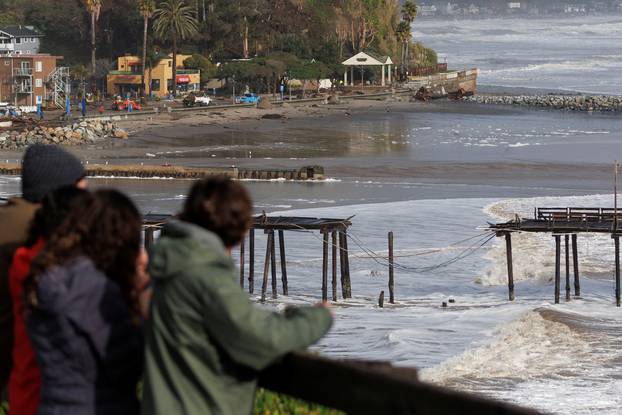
pixel 55 206
pixel 106 228
pixel 222 206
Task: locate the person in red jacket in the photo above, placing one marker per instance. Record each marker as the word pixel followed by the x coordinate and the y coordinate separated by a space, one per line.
pixel 24 381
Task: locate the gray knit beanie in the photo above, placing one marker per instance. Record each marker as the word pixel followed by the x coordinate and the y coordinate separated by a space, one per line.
pixel 46 168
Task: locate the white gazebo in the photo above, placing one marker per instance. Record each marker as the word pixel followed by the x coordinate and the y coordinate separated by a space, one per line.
pixel 366 59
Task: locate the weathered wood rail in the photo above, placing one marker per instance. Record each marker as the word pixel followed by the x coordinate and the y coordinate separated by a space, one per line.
pixel 567 222
pixel 365 387
pixel 179 172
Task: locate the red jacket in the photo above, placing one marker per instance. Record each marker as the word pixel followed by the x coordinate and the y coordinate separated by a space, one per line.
pixel 25 379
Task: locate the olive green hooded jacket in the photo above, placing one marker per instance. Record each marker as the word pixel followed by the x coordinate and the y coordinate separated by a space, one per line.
pixel 206 341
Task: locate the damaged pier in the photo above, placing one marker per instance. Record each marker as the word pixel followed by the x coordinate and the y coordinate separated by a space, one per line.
pixel 335 230
pixel 568 222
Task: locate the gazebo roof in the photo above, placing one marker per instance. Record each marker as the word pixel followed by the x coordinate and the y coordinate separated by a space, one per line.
pixel 367 59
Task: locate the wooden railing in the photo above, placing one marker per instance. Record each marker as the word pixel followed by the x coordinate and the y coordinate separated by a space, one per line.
pixel 430 70
pixel 574 214
pixel 362 387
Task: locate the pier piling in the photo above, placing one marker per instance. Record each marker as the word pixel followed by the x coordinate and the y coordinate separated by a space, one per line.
pixel 334 268
pixel 242 264
pixel 381 299
pixel 557 266
pixel 324 266
pixel 251 261
pixel 346 261
pixel 567 240
pixel 149 237
pixel 266 267
pixel 508 251
pixel 616 240
pixel 342 267
pixel 283 262
pixel 575 266
pixel 391 281
pixel 273 265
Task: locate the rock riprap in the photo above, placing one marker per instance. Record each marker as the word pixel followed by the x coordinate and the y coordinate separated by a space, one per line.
pixel 84 132
pixel 560 102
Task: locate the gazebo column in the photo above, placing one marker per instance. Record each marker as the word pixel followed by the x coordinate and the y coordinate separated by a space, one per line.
pixel 382 75
pixel 389 74
pixel 352 75
pixel 345 77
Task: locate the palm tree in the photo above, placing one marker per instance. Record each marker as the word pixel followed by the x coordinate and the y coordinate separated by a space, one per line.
pixel 403 34
pixel 93 7
pixel 146 7
pixel 174 20
pixel 409 14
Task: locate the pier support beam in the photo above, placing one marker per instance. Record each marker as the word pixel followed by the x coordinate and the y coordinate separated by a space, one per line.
pixel 283 262
pixel 575 266
pixel 567 240
pixel 508 251
pixel 324 266
pixel 391 281
pixel 557 266
pixel 251 261
pixel 242 264
pixel 334 268
pixel 266 267
pixel 149 231
pixel 273 265
pixel 616 240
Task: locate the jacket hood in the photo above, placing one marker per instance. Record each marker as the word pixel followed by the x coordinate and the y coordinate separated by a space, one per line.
pixel 183 244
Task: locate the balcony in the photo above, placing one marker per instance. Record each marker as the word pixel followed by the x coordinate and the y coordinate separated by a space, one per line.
pixel 7 47
pixel 22 72
pixel 23 89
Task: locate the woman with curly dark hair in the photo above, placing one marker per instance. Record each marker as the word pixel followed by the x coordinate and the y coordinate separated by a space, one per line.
pixel 84 317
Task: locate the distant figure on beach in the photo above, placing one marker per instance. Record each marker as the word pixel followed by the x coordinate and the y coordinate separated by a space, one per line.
pixel 206 340
pixel 84 300
pixel 25 379
pixel 44 168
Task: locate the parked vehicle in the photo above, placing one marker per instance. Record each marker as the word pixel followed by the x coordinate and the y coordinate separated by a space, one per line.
pixel 248 98
pixel 122 104
pixel 191 100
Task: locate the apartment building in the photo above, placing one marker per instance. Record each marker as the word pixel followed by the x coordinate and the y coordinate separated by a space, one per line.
pixel 25 79
pixel 19 40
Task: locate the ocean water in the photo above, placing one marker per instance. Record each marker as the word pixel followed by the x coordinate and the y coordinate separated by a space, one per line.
pixel 577 54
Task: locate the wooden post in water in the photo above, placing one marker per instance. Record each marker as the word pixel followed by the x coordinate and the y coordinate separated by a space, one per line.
pixel 567 240
pixel 616 240
pixel 346 260
pixel 283 262
pixel 251 261
pixel 342 266
pixel 381 299
pixel 242 264
pixel 575 266
pixel 334 268
pixel 508 252
pixel 273 265
pixel 324 265
pixel 266 267
pixel 557 266
pixel 391 281
pixel 149 237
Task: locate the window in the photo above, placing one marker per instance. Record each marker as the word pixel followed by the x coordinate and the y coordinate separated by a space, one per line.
pixel 18 40
pixel 155 84
pixel 39 83
pixel 7 63
pixel 38 66
pixel 170 64
pixel 32 40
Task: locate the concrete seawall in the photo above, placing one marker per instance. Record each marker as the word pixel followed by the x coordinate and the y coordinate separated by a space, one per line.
pixel 173 172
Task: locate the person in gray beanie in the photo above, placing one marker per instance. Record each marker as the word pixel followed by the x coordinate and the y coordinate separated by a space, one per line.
pixel 45 168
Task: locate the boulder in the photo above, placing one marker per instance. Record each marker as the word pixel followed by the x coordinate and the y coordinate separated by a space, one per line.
pixel 264 104
pixel 120 133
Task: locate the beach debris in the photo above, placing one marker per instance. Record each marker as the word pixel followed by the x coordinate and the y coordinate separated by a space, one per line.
pixel 333 99
pixel 78 133
pixel 264 104
pixel 444 304
pixel 272 116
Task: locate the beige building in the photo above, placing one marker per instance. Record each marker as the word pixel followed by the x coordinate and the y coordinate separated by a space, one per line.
pixel 158 80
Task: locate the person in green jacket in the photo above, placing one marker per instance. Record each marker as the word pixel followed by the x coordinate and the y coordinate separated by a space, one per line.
pixel 205 340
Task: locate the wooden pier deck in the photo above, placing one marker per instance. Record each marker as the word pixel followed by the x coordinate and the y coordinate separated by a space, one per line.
pixel 567 222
